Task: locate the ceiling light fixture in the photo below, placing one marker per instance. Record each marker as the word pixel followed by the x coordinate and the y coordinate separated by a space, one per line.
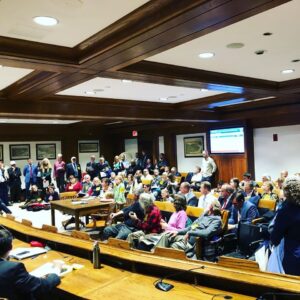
pixel 267 33
pixel 45 21
pixel 203 90
pixel 206 55
pixel 55 122
pixel 287 71
pixel 89 93
pixel 163 98
pixel 126 81
pixel 235 45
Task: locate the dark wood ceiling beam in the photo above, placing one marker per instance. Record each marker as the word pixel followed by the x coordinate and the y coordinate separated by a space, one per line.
pixel 262 112
pixel 205 17
pixel 93 111
pixel 195 78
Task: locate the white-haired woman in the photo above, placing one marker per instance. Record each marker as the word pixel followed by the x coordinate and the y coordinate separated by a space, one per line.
pixel 287 224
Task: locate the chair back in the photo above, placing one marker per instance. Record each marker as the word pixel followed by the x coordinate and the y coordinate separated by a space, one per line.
pixel 80 235
pixel 260 190
pixel 26 222
pixel 130 199
pixel 197 194
pixel 67 195
pixel 259 183
pixel 267 203
pixel 225 217
pixel 10 217
pixel 178 179
pixel 49 228
pixel 146 181
pixel 194 212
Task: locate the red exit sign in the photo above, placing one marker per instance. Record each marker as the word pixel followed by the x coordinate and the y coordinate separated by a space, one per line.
pixel 134 133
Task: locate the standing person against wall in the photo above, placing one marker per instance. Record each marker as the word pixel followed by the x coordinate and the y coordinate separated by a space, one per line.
pixel 3 184
pixel 208 167
pixel 14 182
pixel 30 173
pixel 59 173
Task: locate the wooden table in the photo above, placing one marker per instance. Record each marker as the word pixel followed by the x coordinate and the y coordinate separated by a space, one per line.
pixel 76 210
pixel 114 283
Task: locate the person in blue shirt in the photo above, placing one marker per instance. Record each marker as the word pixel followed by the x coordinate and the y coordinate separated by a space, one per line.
pixel 242 211
pixel 30 172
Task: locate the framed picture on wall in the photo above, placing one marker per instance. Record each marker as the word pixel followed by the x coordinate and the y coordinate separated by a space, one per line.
pixel 193 146
pixel 88 147
pixel 1 152
pixel 45 151
pixel 19 152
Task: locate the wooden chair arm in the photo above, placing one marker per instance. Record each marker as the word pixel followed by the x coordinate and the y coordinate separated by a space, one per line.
pixel 258 220
pixel 198 247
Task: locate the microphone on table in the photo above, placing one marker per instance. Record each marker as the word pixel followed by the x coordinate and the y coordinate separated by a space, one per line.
pixel 274 295
pixel 164 286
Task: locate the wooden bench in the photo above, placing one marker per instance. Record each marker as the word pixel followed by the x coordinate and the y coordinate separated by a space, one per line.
pixel 49 228
pixel 243 264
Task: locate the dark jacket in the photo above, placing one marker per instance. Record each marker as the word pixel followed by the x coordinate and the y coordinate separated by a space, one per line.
pixel 136 208
pixel 286 225
pixel 14 178
pixel 70 170
pixel 92 169
pixel 17 284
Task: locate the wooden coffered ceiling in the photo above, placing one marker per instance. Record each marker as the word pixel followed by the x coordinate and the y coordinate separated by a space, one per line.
pixel 119 51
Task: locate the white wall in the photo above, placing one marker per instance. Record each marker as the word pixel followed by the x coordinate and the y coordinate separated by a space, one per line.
pixel 187 164
pixel 131 147
pixel 84 158
pixel 161 144
pixel 273 157
pixel 22 163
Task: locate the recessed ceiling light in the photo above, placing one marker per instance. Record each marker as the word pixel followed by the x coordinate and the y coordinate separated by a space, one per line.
pixel 126 81
pixel 235 45
pixel 206 55
pixel 287 71
pixel 89 93
pixel 203 90
pixel 45 21
pixel 267 33
pixel 163 98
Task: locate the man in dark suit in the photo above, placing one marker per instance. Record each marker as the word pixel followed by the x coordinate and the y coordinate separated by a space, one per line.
pixel 14 182
pixel 92 168
pixel 3 184
pixel 185 190
pixel 226 196
pixel 15 282
pixel 30 173
pixel 74 169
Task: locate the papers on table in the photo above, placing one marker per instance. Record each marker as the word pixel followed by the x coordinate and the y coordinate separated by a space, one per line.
pixel 50 268
pixel 22 253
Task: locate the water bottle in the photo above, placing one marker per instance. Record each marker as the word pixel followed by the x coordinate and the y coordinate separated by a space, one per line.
pixel 96 256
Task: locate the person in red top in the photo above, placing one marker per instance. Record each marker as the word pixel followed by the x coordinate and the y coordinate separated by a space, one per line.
pixel 151 222
pixel 73 185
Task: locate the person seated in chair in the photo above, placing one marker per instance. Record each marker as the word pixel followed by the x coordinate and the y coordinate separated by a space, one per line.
pixel 206 197
pixel 95 190
pixel 250 193
pixel 165 196
pixel 268 193
pixel 122 230
pixel 15 282
pixel 51 194
pixel 226 196
pixel 73 185
pixel 185 189
pixel 242 211
pixel 196 178
pixel 207 226
pixel 86 184
pixel 176 222
pixel 146 175
pixel 175 172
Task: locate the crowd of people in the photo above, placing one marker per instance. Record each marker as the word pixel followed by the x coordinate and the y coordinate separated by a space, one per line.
pixel 143 224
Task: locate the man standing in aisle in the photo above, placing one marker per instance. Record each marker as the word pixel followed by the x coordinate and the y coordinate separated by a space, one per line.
pixel 29 172
pixel 59 173
pixel 208 167
pixel 92 167
pixel 14 182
